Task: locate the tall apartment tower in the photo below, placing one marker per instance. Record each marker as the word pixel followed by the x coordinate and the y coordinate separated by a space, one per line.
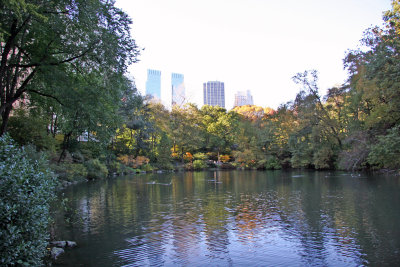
pixel 178 89
pixel 214 93
pixel 243 98
pixel 153 84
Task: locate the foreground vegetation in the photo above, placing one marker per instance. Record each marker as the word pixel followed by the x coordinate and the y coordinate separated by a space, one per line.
pixel 69 98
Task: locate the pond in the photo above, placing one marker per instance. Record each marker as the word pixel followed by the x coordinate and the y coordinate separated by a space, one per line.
pixel 233 218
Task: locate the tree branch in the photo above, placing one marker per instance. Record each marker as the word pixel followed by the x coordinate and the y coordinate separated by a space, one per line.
pixel 46 95
pixel 53 63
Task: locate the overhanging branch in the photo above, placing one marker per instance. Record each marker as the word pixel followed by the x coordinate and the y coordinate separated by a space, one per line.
pixel 46 95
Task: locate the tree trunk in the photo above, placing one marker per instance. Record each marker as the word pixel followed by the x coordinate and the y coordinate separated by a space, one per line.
pixel 65 146
pixel 5 116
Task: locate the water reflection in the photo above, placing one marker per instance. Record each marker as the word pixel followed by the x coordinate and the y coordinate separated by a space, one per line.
pixel 236 218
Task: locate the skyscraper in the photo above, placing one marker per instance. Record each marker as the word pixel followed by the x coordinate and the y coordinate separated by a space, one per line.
pixel 242 98
pixel 214 93
pixel 178 89
pixel 153 84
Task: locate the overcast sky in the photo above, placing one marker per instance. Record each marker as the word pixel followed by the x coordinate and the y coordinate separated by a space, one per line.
pixel 255 45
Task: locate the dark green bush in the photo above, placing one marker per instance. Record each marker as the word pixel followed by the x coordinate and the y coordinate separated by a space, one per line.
pixel 26 128
pixel 96 169
pixel 26 188
pixel 386 152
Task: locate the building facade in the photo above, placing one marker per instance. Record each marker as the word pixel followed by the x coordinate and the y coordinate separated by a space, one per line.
pixel 153 84
pixel 214 93
pixel 243 98
pixel 178 89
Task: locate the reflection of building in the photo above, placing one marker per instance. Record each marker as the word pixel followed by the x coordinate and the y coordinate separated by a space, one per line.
pixel 178 89
pixel 214 93
pixel 242 99
pixel 153 84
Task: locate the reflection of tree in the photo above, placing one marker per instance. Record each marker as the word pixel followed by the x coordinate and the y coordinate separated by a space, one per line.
pixel 186 236
pixel 215 220
pixel 248 219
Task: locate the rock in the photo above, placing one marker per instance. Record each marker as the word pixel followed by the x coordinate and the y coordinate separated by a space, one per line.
pixel 60 244
pixel 55 252
pixel 71 244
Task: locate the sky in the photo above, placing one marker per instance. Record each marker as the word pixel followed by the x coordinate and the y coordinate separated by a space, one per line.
pixel 256 45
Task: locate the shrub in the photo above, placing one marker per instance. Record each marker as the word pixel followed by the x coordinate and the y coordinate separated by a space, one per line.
pixel 188 166
pixel 273 164
pixel 225 158
pixel 115 166
pixel 385 153
pixel 199 164
pixel 200 156
pixel 147 168
pixel 26 128
pixel 70 171
pixel 76 171
pixel 131 161
pixel 26 188
pixel 96 169
pixel 165 166
pixel 188 157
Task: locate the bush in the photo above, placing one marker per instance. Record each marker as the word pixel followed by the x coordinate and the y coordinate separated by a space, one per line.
pixel 199 164
pixel 271 163
pixel 147 168
pixel 200 156
pixel 76 172
pixel 115 167
pixel 96 169
pixel 165 166
pixel 26 188
pixel 26 128
pixel 188 166
pixel 70 171
pixel 386 152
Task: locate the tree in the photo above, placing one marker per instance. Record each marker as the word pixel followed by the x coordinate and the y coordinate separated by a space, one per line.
pixel 186 132
pixel 45 39
pixel 220 127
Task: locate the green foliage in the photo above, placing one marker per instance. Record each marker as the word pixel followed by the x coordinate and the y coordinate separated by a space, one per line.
pixel 26 189
pixel 271 163
pixel 386 152
pixel 199 164
pixel 25 128
pixel 164 152
pixel 115 167
pixel 42 44
pixel 147 167
pixel 324 158
pixel 76 171
pixel 70 172
pixel 200 156
pixel 96 169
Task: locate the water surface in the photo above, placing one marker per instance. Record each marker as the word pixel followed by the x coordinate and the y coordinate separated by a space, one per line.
pixel 233 218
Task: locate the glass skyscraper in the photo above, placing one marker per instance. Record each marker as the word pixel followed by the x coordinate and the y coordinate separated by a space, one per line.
pixel 178 89
pixel 214 93
pixel 153 84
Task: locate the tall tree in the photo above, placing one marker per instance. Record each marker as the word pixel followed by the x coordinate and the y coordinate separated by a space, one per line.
pixel 41 38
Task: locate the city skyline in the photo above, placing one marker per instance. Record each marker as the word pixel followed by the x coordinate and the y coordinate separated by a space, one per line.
pixel 249 44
